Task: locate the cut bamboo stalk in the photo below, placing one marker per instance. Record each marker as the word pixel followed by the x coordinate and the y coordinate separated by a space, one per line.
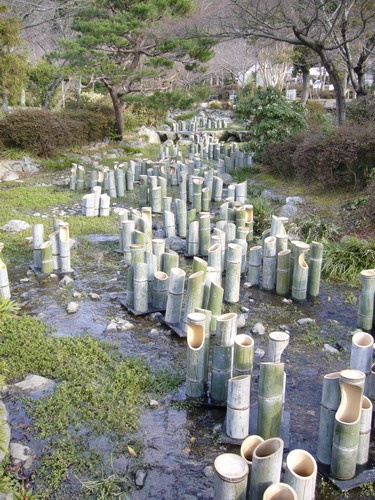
pixel 240 216
pixel 159 290
pixel 215 303
pixel 233 273
pixel 281 243
pixel 230 481
pixel 4 281
pixel 277 343
pixel 194 295
pixel 140 287
pixel 241 192
pixel 315 268
pixel 243 355
pixel 297 248
pixel 221 373
pixel 300 473
pixel 347 424
pixel 199 265
pixel 300 276
pixel 254 265
pixel 104 205
pixel 218 236
pixel 139 238
pixel 207 328
pixel 169 259
pixel 38 239
pixel 120 182
pixel 365 426
pixel 54 239
pixel 156 199
pixel 361 355
pixel 196 355
pixel 266 466
pixel 269 263
pixel 204 234
pixel 270 399
pixel 246 451
pixel 97 191
pixel 181 218
pixel 214 261
pixel 192 242
pixel 224 211
pixel 283 272
pixel 197 194
pixel 175 296
pixel 169 224
pixel 205 199
pixel 226 329
pixel 64 247
pixel 211 277
pixel 366 300
pixel 112 184
pixel 122 216
pixel 167 203
pixel 158 248
pixel 238 407
pixel 129 176
pixel 280 491
pixel 128 228
pixel 217 192
pixel 46 255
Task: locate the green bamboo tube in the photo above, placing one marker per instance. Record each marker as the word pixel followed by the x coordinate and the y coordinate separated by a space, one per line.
pixel 240 216
pixel 254 265
pixel 128 228
pixel 38 239
pixel 277 226
pixel 364 431
pixel 269 263
pixel 233 273
pixel 209 181
pixel 205 199
pixel 266 466
pixel 191 216
pixel 297 248
pixel 162 182
pixel 224 211
pixel 211 277
pixel 218 236
pixel 121 217
pixel 112 184
pixel 159 290
pixel 137 253
pixel 366 300
pixel 281 243
pixel 226 329
pixel 230 480
pixel 54 239
pixel 282 272
pixel 300 473
pixel 175 296
pixel 249 222
pixel 4 281
pixel 169 224
pixel 129 177
pixel 238 407
pixel 217 191
pixel 156 199
pixel 199 265
pixel 192 241
pixel 246 451
pixel 215 303
pixel 139 238
pixel 204 234
pixel 361 352
pixel 270 399
pixel 120 181
pixel 300 276
pixel 243 245
pixel 181 218
pixel 143 190
pixel 243 355
pixel 207 329
pixel 347 425
pixel 194 295
pixel 140 280
pixel 130 287
pixel 280 491
pixel 167 203
pixel 158 248
pixel 221 372
pixel 330 401
pixel 197 194
pixel 241 192
pixel 196 355
pixel 214 261
pixel 46 256
pixel 315 268
pixel 169 259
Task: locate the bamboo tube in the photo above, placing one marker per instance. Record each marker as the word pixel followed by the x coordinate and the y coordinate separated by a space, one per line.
pixel 224 211
pixel 269 263
pixel 196 356
pixel 87 205
pixel 169 259
pixel 96 192
pixel 238 407
pixel 371 391
pixel 130 287
pixel 254 265
pixel 249 222
pixel 361 355
pixel 162 182
pixel 266 466
pixel 150 259
pixel 158 248
pixel 270 399
pixel 243 355
pixel 218 236
pixel 205 199
pixel 137 253
pixel 329 403
pixel 129 177
pixel 347 425
pixel 140 287
pixel 169 224
pixel 277 343
pixel 297 248
pixel 192 241
pixel 64 247
pixel 300 473
pixel 139 238
pixel 230 232
pixel 4 281
pixel 240 216
pixel 204 234
pixel 221 372
pixel 80 178
pixel 246 451
pixel 199 265
pixel 217 191
pixel 215 303
pixel 104 205
pixel 300 275
pixel 73 177
pixel 128 228
pixel 54 239
pixel 159 290
pixel 315 268
pixel 156 199
pixel 181 218
pixel 120 182
pixel 281 243
pixel 143 190
pixel 214 261
pixel 194 295
pixel 226 329
pixel 175 296
pixel 38 239
pixel 241 192
pixel 366 300
pixel 233 273
pixel 122 216
pixel 197 194
pixel 167 203
pixel 211 277
pixel 207 328
pixel 46 255
pixel 230 477
pixel 280 491
pixel 112 184
pixel 364 431
pixel 282 272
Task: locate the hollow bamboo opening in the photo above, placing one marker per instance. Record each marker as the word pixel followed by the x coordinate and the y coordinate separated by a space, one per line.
pixel 195 336
pixel 248 446
pixel 301 463
pixel 268 448
pixel 280 491
pixel 362 339
pixel 244 340
pixel 349 410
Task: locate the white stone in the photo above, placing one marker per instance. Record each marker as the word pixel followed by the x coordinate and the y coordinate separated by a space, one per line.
pixel 20 454
pixel 66 280
pixel 259 329
pixel 259 353
pixel 72 307
pixel 149 135
pixel 15 226
pixel 140 478
pixel 94 296
pixel 305 321
pixel 34 383
pixel 153 403
pixel 241 320
pixel 330 349
pixel 111 327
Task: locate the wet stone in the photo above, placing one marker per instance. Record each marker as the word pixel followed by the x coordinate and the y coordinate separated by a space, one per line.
pixel 259 353
pixel 259 329
pixel 140 478
pixel 330 349
pixel 241 320
pixel 72 307
pixel 34 383
pixel 94 296
pixel 20 454
pixel 305 321
pixel 65 281
pixel 208 471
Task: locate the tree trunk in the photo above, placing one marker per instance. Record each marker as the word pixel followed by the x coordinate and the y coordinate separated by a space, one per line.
pixel 305 84
pixel 338 85
pixel 118 107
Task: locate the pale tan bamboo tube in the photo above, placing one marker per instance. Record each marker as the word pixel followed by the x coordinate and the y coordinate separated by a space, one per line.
pixel 300 473
pixel 4 281
pixel 230 477
pixel 175 296
pixel 364 431
pixel 280 491
pixel 266 466
pixel 246 451
pixel 195 366
pixel 300 276
pixel 361 355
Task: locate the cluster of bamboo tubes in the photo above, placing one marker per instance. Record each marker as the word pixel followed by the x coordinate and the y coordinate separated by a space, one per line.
pixel 257 472
pixel 4 279
pixel 346 412
pixel 113 182
pixel 202 121
pixel 52 254
pixel 96 204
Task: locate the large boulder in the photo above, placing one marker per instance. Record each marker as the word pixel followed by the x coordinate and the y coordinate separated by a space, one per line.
pixel 149 135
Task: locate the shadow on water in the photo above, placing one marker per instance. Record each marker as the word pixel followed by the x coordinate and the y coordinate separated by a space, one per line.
pixel 180 443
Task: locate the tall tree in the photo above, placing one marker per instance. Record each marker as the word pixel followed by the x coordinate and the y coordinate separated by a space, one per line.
pixel 303 60
pixel 340 32
pixel 125 44
pixel 12 56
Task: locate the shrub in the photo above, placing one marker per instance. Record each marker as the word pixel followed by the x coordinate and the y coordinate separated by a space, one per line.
pixel 362 109
pixel 278 156
pixel 270 117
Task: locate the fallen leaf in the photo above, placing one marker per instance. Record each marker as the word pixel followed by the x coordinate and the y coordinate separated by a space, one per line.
pixel 132 451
